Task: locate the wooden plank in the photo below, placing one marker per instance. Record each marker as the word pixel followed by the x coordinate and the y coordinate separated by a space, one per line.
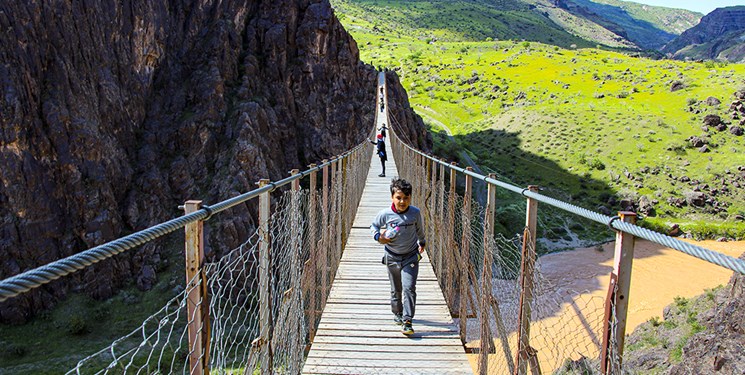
pixel 413 362
pixel 356 334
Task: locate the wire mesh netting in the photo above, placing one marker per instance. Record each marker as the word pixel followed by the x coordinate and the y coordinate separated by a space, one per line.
pixel 513 317
pixel 248 326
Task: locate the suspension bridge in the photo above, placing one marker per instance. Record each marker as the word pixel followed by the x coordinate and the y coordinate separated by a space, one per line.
pixel 306 293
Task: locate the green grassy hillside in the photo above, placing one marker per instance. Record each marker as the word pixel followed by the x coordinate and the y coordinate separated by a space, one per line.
pixel 591 126
pixel 444 20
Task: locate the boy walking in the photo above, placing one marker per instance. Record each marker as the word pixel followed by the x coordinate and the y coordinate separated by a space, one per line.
pixel 399 227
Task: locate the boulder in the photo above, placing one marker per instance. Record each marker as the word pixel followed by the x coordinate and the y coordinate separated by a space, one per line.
pixel 677 85
pixel 712 101
pixel 712 120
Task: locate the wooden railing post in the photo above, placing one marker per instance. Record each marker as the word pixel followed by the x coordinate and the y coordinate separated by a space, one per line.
pixel 340 210
pixel 441 235
pixel 618 301
pixel 296 238
pixel 526 283
pixel 465 251
pixel 197 300
pixel 323 251
pixel 333 211
pixel 265 274
pixel 450 247
pixel 313 258
pixel 486 275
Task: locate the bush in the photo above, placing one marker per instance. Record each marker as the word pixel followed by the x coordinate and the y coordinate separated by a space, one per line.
pixel 596 164
pixel 10 350
pixel 77 325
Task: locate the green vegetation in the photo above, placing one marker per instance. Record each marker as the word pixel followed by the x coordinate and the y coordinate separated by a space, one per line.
pixel 590 126
pixel 444 20
pixel 55 340
pixel 670 335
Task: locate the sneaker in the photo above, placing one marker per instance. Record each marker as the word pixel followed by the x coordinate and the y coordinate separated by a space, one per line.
pixel 398 319
pixel 381 175
pixel 406 328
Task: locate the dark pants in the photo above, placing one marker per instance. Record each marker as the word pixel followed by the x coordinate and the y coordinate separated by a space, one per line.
pixel 402 273
pixel 382 164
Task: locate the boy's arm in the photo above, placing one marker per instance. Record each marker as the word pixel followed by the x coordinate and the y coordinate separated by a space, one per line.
pixel 420 232
pixel 378 223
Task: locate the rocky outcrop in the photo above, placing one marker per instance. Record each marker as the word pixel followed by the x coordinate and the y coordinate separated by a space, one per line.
pixel 719 36
pixel 112 116
pixel 718 349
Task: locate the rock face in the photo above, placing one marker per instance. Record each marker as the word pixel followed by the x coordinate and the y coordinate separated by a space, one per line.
pixel 718 349
pixel 112 116
pixel 720 35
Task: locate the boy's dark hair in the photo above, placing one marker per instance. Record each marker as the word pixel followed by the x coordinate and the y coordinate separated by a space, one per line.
pixel 401 185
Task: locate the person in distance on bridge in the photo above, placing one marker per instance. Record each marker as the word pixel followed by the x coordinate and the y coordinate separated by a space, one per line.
pixel 400 228
pixel 380 143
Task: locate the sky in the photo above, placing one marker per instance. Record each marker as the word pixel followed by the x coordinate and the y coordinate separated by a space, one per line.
pixel 701 6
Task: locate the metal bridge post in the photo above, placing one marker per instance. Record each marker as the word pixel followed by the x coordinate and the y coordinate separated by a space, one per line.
pixel 312 265
pixel 526 284
pixel 486 275
pixel 614 324
pixel 197 300
pixel 465 250
pixel 265 274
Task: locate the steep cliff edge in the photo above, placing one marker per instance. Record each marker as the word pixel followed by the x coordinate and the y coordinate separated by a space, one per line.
pixel 113 114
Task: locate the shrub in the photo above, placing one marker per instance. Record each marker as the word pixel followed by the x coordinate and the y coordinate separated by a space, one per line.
pixel 10 350
pixel 596 164
pixel 77 325
pixel 655 321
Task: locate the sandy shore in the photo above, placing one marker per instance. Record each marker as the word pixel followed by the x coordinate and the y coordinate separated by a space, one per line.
pixel 569 322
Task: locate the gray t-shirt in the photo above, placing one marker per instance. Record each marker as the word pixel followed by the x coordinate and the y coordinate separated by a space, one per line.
pixel 410 229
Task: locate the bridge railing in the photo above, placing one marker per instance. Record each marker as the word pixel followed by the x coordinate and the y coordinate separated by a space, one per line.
pixel 258 306
pixel 508 310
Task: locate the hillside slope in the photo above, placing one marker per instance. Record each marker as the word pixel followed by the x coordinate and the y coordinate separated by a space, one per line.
pixel 564 23
pixel 719 36
pixel 601 129
pixel 648 27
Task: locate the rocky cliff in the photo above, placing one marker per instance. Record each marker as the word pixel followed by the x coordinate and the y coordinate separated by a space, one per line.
pixel 114 113
pixel 719 36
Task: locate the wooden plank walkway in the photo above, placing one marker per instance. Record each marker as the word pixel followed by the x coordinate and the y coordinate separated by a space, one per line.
pixel 356 334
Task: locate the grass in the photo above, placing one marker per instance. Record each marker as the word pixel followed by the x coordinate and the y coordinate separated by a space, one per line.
pixel 672 334
pixel 55 340
pixel 583 123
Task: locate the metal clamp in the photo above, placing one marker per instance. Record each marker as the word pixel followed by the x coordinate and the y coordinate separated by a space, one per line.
pixel 209 212
pixel 610 222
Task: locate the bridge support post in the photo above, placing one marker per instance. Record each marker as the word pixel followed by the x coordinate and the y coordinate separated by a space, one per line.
pixel 616 309
pixel 197 304
pixel 312 264
pixel 450 248
pixel 526 284
pixel 441 235
pixel 265 274
pixel 333 212
pixel 463 286
pixel 297 287
pixel 486 275
pixel 323 251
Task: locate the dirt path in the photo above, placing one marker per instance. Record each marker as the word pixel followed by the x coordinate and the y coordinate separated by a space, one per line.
pixel 569 321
